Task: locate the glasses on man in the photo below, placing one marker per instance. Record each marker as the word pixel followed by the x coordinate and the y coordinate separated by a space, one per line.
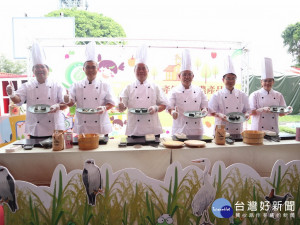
pixel 187 74
pixel 230 78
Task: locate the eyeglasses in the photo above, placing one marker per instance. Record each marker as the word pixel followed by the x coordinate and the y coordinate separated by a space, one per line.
pixel 230 79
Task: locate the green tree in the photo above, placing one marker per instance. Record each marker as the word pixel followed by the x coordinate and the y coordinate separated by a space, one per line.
pixel 291 38
pixel 90 24
pixel 12 66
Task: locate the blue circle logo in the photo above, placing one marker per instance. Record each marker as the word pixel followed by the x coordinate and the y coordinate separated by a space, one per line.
pixel 221 208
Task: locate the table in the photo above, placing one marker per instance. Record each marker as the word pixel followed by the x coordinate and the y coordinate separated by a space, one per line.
pixel 37 165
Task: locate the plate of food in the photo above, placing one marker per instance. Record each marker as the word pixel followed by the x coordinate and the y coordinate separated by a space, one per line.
pixel 235 117
pixel 39 108
pixel 87 110
pixel 278 109
pixel 140 111
pixel 195 114
pixel 195 143
pixel 173 144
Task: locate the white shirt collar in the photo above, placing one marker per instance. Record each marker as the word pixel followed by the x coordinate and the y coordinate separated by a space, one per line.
pixel 137 82
pixel 182 88
pixel 226 91
pixel 263 91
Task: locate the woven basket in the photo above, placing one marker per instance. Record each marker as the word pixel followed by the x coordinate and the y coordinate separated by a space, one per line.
pixel 88 141
pixel 253 137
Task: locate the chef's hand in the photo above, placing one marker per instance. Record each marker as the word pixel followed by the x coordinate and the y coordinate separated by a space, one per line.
pixel 10 90
pixel 121 106
pixel 247 116
pixel 264 109
pixel 54 108
pixel 290 110
pixel 101 109
pixel 221 116
pixel 67 97
pixel 204 112
pixel 153 109
pixel 175 113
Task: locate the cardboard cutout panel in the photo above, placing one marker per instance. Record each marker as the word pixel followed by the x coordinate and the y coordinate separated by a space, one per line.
pixel 190 195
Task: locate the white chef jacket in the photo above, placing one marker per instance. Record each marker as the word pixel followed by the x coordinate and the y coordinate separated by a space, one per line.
pixel 225 101
pixel 262 98
pixel 192 99
pixel 137 95
pixel 48 93
pixel 91 95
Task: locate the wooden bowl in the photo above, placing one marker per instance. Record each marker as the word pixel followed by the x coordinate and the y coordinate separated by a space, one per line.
pixel 253 137
pixel 88 141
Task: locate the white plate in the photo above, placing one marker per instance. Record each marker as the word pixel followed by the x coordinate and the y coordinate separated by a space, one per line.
pixel 140 111
pixel 39 108
pixel 194 114
pixel 237 117
pixel 87 110
pixel 278 109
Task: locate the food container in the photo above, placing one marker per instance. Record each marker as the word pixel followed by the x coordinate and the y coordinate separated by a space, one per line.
pixel 88 141
pixel 220 134
pixel 69 140
pixel 253 137
pixel 58 140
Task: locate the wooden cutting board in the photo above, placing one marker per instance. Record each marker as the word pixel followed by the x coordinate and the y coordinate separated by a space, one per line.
pixel 195 143
pixel 173 144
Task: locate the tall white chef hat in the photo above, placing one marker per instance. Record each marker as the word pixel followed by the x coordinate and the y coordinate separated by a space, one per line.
pixel 90 51
pixel 141 54
pixel 228 66
pixel 267 69
pixel 186 62
pixel 38 54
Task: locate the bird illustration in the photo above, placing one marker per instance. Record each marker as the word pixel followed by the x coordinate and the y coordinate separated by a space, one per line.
pixel 276 200
pixel 165 219
pixel 206 195
pixel 7 189
pixel 91 178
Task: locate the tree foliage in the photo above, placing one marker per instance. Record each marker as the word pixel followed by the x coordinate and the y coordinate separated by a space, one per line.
pixel 291 38
pixel 12 66
pixel 90 24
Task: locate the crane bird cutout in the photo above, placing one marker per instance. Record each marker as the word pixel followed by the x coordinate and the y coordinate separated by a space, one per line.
pixel 7 189
pixel 206 194
pixel 91 178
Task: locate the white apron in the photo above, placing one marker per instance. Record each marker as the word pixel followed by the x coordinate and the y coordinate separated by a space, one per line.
pixel 188 100
pixel 266 121
pixel 142 96
pixel 230 102
pixel 91 96
pixel 43 124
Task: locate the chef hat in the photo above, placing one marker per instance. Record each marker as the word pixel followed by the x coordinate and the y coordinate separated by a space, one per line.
pixel 141 54
pixel 90 51
pixel 267 69
pixel 228 66
pixel 186 62
pixel 38 54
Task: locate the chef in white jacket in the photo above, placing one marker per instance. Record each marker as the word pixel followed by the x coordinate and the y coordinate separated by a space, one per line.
pixel 228 100
pixel 262 99
pixel 186 97
pixel 91 93
pixel 40 90
pixel 142 94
